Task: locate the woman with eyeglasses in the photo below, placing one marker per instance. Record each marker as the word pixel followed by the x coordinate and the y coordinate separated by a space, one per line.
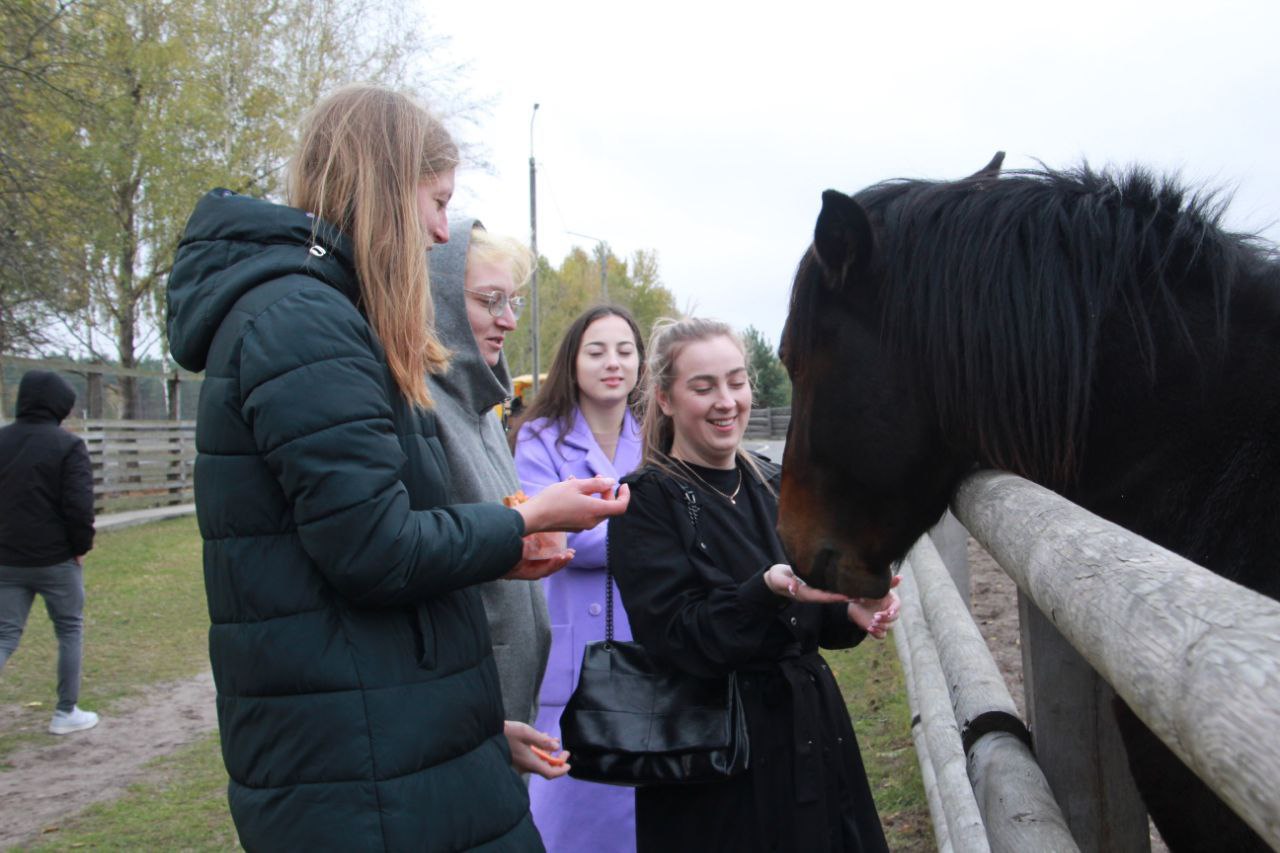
pixel 581 424
pixel 358 702
pixel 475 278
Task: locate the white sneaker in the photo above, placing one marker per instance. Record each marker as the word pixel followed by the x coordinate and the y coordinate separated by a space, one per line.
pixel 75 720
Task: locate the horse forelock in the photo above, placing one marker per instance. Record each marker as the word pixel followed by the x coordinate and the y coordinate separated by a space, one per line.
pixel 997 292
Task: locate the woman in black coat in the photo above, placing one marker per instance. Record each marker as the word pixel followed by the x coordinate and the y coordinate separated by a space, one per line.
pixel 358 701
pixel 714 595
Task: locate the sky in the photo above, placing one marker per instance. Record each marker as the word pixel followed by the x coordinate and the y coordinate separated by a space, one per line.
pixel 707 131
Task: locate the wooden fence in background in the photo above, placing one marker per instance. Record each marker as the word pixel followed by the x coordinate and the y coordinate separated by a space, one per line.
pixel 139 464
pixel 769 423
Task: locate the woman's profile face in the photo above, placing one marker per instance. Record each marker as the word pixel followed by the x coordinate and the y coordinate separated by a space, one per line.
pixel 486 283
pixel 608 362
pixel 709 402
pixel 434 194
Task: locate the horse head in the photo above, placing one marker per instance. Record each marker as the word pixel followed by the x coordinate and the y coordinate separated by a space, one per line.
pixel 867 467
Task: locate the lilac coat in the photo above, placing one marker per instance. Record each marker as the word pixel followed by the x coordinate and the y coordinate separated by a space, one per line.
pixel 574 815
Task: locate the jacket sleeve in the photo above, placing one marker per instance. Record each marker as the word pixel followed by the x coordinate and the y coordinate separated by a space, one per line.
pixel 314 392
pixel 77 498
pixel 838 631
pixel 701 621
pixel 538 466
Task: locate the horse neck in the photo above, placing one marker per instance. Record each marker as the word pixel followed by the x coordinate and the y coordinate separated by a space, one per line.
pixel 1192 461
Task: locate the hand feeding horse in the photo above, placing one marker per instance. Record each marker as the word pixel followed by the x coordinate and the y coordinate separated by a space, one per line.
pixel 1098 334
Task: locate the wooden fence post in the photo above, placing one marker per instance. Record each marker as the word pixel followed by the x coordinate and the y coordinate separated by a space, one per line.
pixel 1076 740
pixel 94 404
pixel 175 399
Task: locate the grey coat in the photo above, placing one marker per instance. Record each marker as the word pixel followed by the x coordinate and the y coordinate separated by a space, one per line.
pixel 475 445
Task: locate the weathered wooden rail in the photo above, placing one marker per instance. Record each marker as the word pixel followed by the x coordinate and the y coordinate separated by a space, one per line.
pixel 769 423
pixel 1196 656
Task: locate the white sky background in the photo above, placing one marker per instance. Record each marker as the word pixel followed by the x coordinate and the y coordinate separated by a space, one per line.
pixel 707 131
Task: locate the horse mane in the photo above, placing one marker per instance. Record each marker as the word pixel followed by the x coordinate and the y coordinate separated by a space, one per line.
pixel 1011 284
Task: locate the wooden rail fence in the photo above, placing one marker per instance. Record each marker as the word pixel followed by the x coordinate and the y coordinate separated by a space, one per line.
pixel 1196 656
pixel 769 423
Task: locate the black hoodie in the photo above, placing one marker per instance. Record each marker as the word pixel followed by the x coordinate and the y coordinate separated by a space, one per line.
pixel 46 483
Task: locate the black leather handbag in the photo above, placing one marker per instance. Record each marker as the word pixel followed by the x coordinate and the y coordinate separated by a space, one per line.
pixel 633 721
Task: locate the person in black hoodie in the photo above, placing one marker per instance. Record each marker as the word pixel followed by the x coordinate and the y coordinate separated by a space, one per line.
pixel 46 528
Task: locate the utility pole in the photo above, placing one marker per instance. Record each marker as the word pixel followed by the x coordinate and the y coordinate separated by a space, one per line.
pixel 533 245
pixel 602 252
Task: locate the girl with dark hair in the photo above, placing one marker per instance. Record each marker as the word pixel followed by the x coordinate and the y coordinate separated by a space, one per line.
pixel 581 424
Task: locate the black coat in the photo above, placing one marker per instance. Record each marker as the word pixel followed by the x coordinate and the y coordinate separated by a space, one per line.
pixel 46 483
pixel 358 700
pixel 696 597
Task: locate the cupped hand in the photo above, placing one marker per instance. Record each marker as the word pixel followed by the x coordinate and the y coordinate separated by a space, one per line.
pixel 783 581
pixel 532 570
pixel 522 738
pixel 876 615
pixel 573 506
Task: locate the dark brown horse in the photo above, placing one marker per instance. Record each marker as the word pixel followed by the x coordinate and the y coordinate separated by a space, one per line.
pixel 1099 334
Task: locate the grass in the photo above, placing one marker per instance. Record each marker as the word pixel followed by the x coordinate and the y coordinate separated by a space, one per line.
pixel 870 678
pixel 145 623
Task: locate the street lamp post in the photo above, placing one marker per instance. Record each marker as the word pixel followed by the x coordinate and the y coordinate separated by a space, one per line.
pixel 533 246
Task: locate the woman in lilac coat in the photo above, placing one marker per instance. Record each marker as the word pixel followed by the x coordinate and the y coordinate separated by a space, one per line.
pixel 581 425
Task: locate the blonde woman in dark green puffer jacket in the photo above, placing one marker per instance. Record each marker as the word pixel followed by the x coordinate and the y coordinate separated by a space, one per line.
pixel 358 702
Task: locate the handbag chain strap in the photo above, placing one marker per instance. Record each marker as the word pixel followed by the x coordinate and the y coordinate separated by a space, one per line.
pixel 691 504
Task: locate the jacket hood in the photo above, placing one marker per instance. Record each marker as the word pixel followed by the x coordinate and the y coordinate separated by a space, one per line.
pixel 44 396
pixel 234 243
pixel 469 380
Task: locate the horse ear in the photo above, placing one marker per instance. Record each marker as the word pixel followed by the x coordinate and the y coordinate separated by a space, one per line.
pixel 843 235
pixel 992 169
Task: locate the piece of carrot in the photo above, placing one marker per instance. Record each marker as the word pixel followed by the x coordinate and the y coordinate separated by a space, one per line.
pixel 553 760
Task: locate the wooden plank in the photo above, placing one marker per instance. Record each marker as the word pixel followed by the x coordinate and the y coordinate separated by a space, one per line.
pixel 964 821
pixel 1196 656
pixel 1017 805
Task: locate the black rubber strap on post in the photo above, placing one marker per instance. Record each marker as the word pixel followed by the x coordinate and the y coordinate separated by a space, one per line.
pixel 994 721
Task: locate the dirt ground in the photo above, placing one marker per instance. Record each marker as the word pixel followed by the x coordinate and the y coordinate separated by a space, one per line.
pixel 58 776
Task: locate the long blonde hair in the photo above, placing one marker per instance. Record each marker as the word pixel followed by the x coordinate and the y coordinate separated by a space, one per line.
pixel 668 339
pixel 362 153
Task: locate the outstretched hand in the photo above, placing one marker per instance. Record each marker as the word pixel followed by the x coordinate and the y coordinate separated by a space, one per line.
pixel 526 742
pixel 573 506
pixel 532 570
pixel 876 615
pixel 783 581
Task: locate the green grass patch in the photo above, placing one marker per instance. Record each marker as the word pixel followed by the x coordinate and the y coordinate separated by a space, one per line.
pixel 145 623
pixel 871 681
pixel 181 806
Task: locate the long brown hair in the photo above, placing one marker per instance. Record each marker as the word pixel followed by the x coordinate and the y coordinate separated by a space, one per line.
pixel 668 339
pixel 557 400
pixel 362 153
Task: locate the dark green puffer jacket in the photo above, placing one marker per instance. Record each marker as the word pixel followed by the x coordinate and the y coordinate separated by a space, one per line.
pixel 357 696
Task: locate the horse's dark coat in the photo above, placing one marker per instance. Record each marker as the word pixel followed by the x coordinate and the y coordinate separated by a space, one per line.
pixel 1100 334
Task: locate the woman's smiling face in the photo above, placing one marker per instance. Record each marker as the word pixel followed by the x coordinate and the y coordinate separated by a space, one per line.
pixel 709 402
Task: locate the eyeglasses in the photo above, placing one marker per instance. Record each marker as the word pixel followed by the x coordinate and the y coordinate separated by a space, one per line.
pixel 497 302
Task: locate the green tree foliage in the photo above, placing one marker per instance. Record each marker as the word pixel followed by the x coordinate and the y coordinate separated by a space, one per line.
pixel 772 385
pixel 119 114
pixel 567 291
